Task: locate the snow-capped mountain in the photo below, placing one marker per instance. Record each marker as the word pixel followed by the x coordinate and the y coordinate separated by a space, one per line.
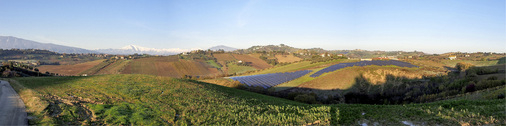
pixel 9 42
pixel 132 49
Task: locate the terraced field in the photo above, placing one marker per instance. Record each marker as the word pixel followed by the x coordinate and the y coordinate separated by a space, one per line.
pixel 70 69
pixel 114 68
pixel 257 63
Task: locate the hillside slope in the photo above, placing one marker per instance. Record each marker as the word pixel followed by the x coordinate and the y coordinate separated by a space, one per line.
pixel 151 100
pixel 70 69
pixel 170 66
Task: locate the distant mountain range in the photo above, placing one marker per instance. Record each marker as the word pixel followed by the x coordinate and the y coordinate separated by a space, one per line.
pixel 132 49
pixel 9 42
pixel 225 48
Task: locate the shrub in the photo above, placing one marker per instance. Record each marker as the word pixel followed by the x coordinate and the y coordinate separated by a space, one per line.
pixel 500 96
pixel 463 66
pixel 305 98
pixel 492 78
pixel 471 87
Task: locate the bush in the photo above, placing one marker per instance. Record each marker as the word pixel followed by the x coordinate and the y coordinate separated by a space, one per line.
pixel 500 96
pixel 492 78
pixel 470 88
pixel 481 70
pixel 463 66
pixel 305 98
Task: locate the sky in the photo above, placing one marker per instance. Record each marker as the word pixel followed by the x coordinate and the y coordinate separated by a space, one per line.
pixel 431 26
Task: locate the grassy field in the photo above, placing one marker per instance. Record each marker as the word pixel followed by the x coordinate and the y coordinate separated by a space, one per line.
pixel 169 66
pixel 69 69
pixel 214 64
pixel 234 68
pixel 452 63
pixel 345 78
pixel 151 100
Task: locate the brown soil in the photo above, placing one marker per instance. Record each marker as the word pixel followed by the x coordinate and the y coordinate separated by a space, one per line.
pixel 256 62
pixel 69 69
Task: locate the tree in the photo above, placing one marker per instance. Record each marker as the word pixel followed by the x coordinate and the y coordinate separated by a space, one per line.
pixel 462 66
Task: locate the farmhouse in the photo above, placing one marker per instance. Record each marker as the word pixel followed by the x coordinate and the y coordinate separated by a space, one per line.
pixel 324 54
pixel 452 57
pixel 365 59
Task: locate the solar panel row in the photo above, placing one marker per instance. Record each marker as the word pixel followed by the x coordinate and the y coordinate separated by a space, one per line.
pixel 362 63
pixel 269 80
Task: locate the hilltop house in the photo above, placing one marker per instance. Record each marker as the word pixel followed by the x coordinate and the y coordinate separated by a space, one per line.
pixel 324 54
pixel 452 57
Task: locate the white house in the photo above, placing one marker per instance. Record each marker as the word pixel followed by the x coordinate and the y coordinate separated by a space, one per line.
pixel 452 57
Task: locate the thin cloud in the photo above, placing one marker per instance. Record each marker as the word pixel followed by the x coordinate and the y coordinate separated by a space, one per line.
pixel 243 17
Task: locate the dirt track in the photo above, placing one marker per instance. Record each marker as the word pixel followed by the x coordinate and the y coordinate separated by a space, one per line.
pixel 12 108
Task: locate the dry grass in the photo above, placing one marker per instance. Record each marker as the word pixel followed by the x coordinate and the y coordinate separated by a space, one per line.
pixel 223 82
pixel 345 78
pixel 341 79
pixel 69 69
pixel 34 104
pixel 287 58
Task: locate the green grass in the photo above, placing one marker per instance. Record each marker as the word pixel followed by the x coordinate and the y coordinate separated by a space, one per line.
pixel 214 64
pixel 452 112
pixel 234 68
pixel 151 100
pixel 452 63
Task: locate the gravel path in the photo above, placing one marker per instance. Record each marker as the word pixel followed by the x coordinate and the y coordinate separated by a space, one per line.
pixel 12 108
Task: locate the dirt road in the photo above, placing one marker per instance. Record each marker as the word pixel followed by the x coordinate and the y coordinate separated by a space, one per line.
pixel 12 108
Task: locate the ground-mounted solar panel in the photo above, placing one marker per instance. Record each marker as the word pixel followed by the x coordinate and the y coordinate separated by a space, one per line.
pixel 362 63
pixel 269 80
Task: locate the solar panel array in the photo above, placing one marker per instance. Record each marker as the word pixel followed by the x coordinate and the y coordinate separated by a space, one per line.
pixel 362 63
pixel 269 80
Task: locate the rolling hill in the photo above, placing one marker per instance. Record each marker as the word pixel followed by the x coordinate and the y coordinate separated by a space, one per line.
pixel 222 47
pixel 170 66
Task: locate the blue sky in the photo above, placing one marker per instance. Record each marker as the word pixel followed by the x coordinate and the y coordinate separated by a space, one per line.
pixel 432 26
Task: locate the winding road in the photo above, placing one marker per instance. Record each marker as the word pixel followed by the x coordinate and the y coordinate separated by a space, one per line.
pixel 12 108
